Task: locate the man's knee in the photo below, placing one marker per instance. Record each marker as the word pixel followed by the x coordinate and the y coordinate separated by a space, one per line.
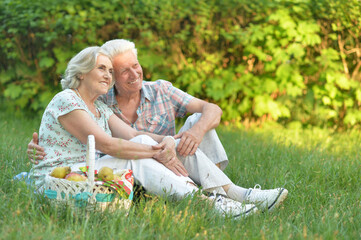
pixel 190 121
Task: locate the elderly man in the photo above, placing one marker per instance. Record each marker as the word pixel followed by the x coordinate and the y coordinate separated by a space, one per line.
pixel 153 107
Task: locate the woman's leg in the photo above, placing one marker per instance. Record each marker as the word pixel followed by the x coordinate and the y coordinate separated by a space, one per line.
pixel 152 175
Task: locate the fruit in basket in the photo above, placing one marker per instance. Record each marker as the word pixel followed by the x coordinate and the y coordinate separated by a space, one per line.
pixel 118 176
pixel 106 174
pixel 73 176
pixel 60 172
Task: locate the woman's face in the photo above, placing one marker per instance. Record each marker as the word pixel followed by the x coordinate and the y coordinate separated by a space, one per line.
pixel 98 80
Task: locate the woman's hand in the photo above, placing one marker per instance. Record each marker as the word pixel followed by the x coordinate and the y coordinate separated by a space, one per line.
pixel 168 156
pixel 177 167
pixel 34 151
pixel 168 149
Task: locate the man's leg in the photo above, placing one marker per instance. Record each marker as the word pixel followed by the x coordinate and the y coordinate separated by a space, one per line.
pixel 211 178
pixel 203 172
pixel 211 146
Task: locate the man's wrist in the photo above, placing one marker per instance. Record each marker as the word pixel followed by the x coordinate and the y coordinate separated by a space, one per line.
pixel 199 130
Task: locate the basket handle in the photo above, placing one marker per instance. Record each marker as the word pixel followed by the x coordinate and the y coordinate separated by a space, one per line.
pixel 90 158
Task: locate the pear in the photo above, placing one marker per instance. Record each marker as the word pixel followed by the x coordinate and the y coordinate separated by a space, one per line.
pixel 60 172
pixel 117 178
pixel 73 176
pixel 106 174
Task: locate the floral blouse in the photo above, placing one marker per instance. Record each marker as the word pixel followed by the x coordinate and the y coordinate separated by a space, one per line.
pixel 61 147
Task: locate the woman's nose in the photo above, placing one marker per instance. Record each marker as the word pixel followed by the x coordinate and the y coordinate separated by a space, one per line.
pixel 108 75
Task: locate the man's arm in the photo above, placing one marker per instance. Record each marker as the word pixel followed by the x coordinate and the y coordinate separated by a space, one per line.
pixel 211 117
pixel 34 151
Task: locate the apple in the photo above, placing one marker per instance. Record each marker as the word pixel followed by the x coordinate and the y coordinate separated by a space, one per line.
pixel 73 176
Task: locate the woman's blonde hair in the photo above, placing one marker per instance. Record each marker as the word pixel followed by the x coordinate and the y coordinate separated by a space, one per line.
pixel 81 63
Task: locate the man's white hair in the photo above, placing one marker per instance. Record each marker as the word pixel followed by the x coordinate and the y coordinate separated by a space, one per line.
pixel 119 46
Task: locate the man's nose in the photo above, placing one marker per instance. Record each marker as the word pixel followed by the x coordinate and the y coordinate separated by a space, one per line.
pixel 134 72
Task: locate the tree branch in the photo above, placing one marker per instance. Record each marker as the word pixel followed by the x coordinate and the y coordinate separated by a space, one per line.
pixel 340 45
pixel 356 70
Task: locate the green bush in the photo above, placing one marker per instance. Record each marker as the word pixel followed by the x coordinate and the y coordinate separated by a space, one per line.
pixel 287 61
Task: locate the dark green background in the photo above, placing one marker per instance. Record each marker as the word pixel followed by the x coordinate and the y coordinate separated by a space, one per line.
pixel 295 62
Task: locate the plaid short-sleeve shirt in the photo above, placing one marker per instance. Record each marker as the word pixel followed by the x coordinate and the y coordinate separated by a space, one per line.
pixel 160 104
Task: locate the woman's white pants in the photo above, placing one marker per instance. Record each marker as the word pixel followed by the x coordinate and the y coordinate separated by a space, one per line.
pixel 159 180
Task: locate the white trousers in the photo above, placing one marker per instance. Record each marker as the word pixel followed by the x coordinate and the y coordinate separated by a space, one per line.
pixel 159 180
pixel 211 146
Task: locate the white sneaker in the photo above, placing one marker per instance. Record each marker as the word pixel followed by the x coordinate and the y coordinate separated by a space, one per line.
pixel 226 206
pixel 266 199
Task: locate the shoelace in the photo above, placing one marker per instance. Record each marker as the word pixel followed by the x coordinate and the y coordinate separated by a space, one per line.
pixel 219 198
pixel 256 187
pixel 214 195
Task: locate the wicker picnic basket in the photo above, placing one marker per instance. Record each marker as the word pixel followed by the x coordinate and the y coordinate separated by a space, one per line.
pixel 91 194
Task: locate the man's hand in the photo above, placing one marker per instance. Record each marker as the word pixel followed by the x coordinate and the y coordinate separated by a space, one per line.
pixel 34 151
pixel 210 118
pixel 168 157
pixel 189 142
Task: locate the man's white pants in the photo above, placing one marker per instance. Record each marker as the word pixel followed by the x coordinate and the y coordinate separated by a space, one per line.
pixel 159 180
pixel 211 146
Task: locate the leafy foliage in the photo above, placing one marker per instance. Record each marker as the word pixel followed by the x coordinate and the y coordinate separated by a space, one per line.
pixel 287 61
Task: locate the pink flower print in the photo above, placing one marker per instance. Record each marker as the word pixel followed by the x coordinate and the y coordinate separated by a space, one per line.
pixel 51 142
pixel 64 143
pixel 57 153
pixel 49 126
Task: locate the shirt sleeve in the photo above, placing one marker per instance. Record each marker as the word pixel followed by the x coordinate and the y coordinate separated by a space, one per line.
pixel 64 103
pixel 178 98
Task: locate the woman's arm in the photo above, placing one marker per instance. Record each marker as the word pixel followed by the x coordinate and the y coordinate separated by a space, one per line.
pixel 167 154
pixel 80 125
pixel 122 130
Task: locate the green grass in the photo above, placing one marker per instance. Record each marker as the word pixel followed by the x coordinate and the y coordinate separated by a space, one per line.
pixel 321 170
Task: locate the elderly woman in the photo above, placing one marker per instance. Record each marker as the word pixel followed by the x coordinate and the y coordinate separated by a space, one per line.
pixel 75 113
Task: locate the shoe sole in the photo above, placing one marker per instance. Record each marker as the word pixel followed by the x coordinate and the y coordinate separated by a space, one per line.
pixel 250 211
pixel 279 200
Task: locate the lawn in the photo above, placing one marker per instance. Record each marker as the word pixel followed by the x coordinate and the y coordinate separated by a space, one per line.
pixel 320 169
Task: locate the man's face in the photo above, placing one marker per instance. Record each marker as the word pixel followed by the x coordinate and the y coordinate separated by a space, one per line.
pixel 128 73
